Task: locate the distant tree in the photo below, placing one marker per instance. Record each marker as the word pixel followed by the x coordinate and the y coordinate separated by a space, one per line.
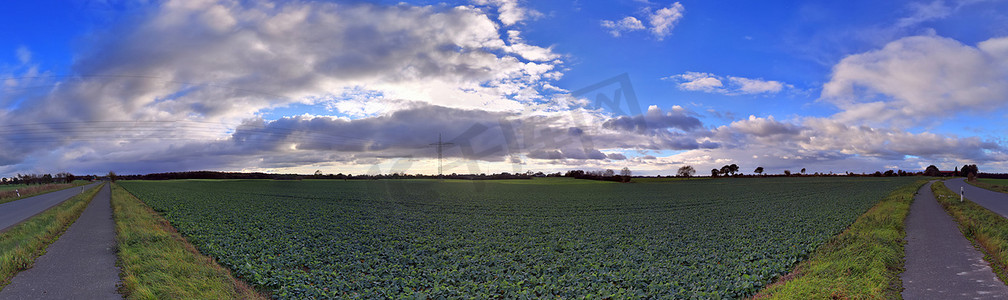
pixel 725 170
pixel 759 170
pixel 969 169
pixel 713 172
pixel 686 171
pixel 625 173
pixel 733 168
pixel 932 171
pixel 609 173
pixel 112 176
pixel 787 172
pixel 803 171
pixel 957 171
pixel 318 172
pixel 889 173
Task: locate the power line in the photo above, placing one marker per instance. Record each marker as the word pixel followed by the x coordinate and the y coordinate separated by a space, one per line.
pixel 440 147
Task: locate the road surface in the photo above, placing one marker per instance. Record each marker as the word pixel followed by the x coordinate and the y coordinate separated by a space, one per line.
pixel 12 213
pixel 80 265
pixel 940 262
pixel 994 201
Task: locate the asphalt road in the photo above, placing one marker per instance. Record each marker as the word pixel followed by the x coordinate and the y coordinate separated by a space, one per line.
pixel 994 201
pixel 12 213
pixel 80 265
pixel 940 262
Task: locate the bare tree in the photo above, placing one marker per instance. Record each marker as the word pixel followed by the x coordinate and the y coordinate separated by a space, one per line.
pixel 686 171
pixel 625 173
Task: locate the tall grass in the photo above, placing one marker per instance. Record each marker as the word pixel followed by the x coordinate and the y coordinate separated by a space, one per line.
pixel 22 244
pixel 980 225
pixel 158 263
pixel 863 262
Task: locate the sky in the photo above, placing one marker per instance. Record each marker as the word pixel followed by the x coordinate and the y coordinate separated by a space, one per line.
pixel 368 87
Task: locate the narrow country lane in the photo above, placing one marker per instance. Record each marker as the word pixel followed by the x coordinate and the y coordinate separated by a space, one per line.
pixel 80 265
pixel 994 201
pixel 12 213
pixel 940 262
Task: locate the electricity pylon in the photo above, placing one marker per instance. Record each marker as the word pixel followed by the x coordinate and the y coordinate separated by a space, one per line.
pixel 440 149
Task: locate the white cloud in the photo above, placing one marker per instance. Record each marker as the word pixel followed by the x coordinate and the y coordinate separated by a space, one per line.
pixel 510 12
pixel 23 54
pixel 661 22
pixel 710 83
pixel 627 24
pixel 756 86
pixel 919 79
pixel 825 145
pixel 923 12
pixel 222 62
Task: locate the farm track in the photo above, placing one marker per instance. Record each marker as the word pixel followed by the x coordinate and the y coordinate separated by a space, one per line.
pixel 994 201
pixel 940 262
pixel 80 265
pixel 15 212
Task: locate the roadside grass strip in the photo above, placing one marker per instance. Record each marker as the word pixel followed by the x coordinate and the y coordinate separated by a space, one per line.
pixel 11 194
pixel 997 185
pixel 158 263
pixel 863 262
pixel 22 244
pixel 982 227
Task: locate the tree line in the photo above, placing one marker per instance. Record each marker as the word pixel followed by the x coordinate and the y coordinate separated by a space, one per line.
pixel 62 177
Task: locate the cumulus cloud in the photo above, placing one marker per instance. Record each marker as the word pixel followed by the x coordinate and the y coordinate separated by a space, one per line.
pixel 661 22
pixel 655 119
pixel 824 145
pixel 626 24
pixel 728 85
pixel 223 62
pixel 510 11
pixel 918 79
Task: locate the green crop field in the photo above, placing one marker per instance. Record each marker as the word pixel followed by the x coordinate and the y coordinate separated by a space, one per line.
pixel 538 238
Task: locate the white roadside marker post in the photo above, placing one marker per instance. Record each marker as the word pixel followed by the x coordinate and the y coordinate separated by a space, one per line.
pixel 962 193
pixel 19 193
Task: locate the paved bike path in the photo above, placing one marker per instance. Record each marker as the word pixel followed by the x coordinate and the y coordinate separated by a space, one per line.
pixel 80 265
pixel 940 262
pixel 14 212
pixel 994 201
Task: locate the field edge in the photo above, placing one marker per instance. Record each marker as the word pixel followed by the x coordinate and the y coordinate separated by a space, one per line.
pixel 157 262
pixel 863 261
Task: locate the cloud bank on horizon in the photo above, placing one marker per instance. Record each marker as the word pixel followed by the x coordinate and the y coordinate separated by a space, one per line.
pixel 367 87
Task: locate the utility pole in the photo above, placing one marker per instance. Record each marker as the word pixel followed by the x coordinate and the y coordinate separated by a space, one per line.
pixel 440 149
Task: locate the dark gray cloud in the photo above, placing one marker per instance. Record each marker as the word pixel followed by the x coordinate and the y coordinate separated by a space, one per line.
pixel 655 119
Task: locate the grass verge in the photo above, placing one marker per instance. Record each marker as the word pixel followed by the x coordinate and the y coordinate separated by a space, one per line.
pixel 980 225
pixel 997 185
pixel 22 244
pixel 863 262
pixel 158 263
pixel 9 195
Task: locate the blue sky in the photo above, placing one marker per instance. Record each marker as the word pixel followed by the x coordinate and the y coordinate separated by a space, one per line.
pixel 358 86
